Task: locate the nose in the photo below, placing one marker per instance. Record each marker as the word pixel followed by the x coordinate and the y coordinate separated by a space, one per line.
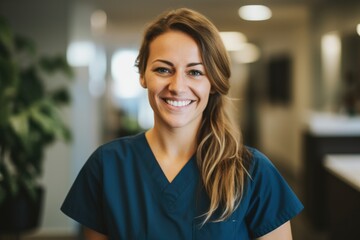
pixel 177 83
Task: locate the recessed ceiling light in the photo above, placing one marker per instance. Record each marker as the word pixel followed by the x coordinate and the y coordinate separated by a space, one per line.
pixel 98 19
pixel 233 41
pixel 248 54
pixel 255 12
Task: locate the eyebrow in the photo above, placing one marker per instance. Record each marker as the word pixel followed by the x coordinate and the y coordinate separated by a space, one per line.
pixel 172 65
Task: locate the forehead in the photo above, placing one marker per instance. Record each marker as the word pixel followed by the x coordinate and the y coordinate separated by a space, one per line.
pixel 174 44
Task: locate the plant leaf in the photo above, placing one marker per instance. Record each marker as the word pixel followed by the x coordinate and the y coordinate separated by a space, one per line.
pixel 55 64
pixel 60 96
pixel 31 87
pixel 24 44
pixel 46 115
pixel 30 187
pixel 6 38
pixel 20 124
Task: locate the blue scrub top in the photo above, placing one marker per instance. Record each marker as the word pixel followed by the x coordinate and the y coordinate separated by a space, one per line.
pixel 122 192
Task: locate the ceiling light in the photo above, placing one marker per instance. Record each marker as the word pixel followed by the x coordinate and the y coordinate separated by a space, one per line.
pixel 331 44
pixel 248 54
pixel 98 22
pixel 98 19
pixel 358 29
pixel 255 12
pixel 233 41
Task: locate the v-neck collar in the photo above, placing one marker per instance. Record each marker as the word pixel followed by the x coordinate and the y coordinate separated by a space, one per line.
pixel 182 180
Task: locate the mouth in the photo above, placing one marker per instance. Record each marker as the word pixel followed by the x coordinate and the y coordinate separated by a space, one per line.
pixel 174 103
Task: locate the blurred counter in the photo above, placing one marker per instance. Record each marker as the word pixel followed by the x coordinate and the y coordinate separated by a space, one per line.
pixel 342 199
pixel 326 124
pixel 326 134
pixel 346 168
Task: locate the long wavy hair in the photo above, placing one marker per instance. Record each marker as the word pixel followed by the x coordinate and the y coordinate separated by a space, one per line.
pixel 220 152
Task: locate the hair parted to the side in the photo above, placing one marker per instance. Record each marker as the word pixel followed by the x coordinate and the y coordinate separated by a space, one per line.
pixel 220 152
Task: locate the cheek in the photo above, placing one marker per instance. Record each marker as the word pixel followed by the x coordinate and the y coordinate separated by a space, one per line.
pixel 152 89
pixel 205 90
pixel 152 96
pixel 204 95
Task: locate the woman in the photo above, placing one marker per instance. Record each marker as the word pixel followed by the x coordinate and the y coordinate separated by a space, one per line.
pixel 188 177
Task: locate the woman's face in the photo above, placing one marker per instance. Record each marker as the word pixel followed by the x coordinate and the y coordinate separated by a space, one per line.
pixel 178 87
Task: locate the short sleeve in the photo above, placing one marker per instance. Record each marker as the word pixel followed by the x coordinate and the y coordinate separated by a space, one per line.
pixel 84 202
pixel 272 201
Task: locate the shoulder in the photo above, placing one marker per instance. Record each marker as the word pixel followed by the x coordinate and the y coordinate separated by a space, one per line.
pixel 117 151
pixel 127 141
pixel 271 201
pixel 264 177
pixel 123 145
pixel 257 161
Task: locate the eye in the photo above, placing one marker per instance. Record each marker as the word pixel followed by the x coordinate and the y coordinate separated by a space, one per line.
pixel 162 70
pixel 196 73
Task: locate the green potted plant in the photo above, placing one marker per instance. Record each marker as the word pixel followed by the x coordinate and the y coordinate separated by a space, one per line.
pixel 29 121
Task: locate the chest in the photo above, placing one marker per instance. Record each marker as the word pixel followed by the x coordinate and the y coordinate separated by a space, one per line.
pixel 140 203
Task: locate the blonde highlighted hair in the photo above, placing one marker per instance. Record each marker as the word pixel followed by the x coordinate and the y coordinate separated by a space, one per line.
pixel 220 153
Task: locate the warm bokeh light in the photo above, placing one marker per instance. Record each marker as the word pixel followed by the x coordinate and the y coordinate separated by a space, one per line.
pixel 98 20
pixel 331 66
pixel 358 29
pixel 330 44
pixel 233 41
pixel 255 12
pixel 249 53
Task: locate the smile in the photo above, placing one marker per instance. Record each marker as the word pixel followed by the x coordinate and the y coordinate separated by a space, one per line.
pixel 178 103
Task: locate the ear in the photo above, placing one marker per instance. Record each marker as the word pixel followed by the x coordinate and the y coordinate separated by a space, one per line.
pixel 143 82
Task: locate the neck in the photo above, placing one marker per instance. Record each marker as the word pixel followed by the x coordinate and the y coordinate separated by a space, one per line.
pixel 174 143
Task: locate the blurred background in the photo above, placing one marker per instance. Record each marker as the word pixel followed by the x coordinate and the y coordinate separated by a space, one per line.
pixel 295 81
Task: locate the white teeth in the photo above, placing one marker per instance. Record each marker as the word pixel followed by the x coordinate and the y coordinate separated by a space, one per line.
pixel 178 103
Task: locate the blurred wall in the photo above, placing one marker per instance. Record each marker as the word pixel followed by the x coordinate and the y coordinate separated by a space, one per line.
pixel 316 87
pixel 276 127
pixel 342 20
pixel 281 124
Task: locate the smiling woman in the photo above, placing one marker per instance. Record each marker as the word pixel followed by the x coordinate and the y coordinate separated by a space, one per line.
pixel 189 176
